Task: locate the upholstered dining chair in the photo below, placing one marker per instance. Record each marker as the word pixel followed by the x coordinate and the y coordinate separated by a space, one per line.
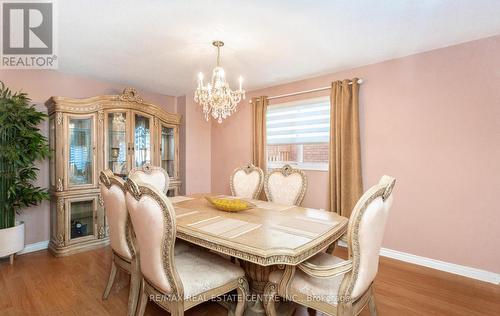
pixel 247 182
pixel 113 194
pixel 152 175
pixel 285 185
pixel 333 285
pixel 175 281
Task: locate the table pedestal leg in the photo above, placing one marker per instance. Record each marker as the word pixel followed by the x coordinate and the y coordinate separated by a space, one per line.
pixel 258 276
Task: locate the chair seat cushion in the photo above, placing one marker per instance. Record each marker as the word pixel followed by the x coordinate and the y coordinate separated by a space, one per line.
pixel 201 270
pixel 325 290
pixel 181 246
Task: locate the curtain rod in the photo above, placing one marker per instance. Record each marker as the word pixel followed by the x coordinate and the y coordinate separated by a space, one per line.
pixel 360 81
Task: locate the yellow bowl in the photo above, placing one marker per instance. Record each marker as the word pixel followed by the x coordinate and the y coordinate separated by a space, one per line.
pixel 229 205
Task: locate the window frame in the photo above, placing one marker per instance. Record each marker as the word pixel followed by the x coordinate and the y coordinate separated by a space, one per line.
pixel 312 166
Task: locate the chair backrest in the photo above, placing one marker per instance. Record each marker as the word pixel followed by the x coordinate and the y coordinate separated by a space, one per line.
pixel 286 185
pixel 113 194
pixel 364 237
pixel 247 182
pixel 153 219
pixel 152 175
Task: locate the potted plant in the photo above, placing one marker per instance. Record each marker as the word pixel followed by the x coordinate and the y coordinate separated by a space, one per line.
pixel 21 145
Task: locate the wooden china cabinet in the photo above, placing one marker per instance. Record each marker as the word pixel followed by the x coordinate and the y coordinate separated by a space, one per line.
pixel 117 132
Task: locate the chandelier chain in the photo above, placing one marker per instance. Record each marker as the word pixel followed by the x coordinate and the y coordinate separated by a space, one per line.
pixel 218 56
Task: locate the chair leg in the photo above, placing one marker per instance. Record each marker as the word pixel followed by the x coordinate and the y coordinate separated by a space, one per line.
pixel 135 287
pixel 311 312
pixel 111 280
pixel 177 311
pixel 243 291
pixel 270 296
pixel 143 300
pixel 372 306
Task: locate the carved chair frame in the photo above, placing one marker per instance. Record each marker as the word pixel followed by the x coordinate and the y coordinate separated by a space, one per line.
pixel 108 179
pixel 350 269
pixel 286 171
pixel 249 169
pixel 174 301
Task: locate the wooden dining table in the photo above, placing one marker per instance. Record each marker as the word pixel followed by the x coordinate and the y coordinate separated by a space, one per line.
pixel 263 238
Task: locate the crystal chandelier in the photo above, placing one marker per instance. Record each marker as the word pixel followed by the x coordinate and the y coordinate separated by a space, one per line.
pixel 216 98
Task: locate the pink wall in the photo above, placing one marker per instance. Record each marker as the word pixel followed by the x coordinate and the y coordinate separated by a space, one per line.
pixel 195 147
pixel 431 120
pixel 40 86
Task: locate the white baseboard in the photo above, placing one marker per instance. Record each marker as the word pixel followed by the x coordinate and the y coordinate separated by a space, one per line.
pixel 465 271
pixel 41 245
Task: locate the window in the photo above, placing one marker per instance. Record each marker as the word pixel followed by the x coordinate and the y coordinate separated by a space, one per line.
pixel 298 134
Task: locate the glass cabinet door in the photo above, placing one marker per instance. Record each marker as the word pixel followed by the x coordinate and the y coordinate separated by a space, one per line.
pixel 167 150
pixel 81 218
pixel 117 143
pixel 142 140
pixel 80 151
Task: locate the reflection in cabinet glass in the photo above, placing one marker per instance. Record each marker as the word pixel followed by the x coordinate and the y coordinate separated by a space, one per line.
pixel 117 143
pixel 142 141
pixel 80 151
pixel 167 150
pixel 82 218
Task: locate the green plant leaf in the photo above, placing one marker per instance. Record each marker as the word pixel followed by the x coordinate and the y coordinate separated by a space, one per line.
pixel 21 146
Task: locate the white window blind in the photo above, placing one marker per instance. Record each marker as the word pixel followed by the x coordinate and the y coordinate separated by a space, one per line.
pixel 298 123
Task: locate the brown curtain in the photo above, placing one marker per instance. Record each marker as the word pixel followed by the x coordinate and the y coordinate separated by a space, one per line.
pixel 259 135
pixel 259 131
pixel 345 181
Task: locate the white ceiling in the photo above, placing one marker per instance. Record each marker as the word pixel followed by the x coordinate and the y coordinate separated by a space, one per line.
pixel 162 45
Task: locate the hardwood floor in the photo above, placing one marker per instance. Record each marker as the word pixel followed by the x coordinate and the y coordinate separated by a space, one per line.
pixel 40 284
